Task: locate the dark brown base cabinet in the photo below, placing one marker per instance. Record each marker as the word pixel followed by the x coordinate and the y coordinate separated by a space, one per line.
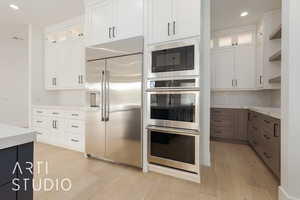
pixel 229 124
pixel 242 126
pixel 264 138
pixel 8 159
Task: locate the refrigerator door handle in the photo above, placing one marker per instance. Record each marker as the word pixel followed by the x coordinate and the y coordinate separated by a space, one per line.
pixel 102 96
pixel 107 101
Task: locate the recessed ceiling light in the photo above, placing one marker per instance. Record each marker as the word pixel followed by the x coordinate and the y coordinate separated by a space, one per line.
pixel 244 14
pixel 14 7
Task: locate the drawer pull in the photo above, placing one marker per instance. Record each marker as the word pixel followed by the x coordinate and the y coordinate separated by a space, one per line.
pixel 267 137
pixel 39 122
pixel 73 140
pixel 276 132
pixel 40 112
pixel 267 156
pixel 74 126
pixel 55 113
pixel 39 133
pixel 75 115
pixel 266 121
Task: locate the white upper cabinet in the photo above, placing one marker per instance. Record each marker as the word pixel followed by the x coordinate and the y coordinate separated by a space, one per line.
pixel 110 20
pixel 99 20
pixel 222 62
pixel 173 19
pixel 65 56
pixel 245 77
pixel 128 19
pixel 186 16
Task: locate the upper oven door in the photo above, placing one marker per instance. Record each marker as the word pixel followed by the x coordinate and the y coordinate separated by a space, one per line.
pixel 174 59
pixel 177 109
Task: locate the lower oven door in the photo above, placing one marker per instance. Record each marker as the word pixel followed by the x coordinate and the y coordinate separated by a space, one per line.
pixel 175 109
pixel 174 149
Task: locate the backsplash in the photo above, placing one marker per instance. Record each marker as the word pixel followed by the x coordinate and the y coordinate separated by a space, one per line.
pixel 246 98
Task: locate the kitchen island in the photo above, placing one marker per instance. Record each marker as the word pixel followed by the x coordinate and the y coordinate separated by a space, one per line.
pixel 16 158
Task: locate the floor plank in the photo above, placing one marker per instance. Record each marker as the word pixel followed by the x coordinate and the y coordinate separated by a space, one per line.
pixel 236 174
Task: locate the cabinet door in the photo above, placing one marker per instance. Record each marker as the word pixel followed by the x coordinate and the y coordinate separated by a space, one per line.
pixel 186 18
pixel 223 65
pixel 99 20
pixel 76 67
pixel 64 57
pixel 128 19
pixel 160 20
pixel 51 63
pixel 245 72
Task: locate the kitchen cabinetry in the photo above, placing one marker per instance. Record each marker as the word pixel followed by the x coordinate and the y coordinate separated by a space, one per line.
pixel 60 127
pixel 264 138
pixel 229 124
pixel 110 20
pixel 233 68
pixel 23 154
pixel 173 19
pixel 65 56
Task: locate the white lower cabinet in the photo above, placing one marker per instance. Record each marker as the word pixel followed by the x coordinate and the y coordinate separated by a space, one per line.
pixel 59 127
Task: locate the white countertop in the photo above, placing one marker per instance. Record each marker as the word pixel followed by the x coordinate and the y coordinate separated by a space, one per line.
pixel 13 136
pixel 270 111
pixel 89 109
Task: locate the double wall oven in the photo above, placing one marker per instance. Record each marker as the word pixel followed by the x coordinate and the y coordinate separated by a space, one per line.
pixel 173 105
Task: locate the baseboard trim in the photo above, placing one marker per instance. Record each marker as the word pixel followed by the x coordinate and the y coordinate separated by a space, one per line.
pixel 283 195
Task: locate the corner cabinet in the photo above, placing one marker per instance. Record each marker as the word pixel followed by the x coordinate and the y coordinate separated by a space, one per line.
pixel 110 20
pixel 173 19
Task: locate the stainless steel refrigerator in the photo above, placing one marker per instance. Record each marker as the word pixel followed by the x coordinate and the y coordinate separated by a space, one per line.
pixel 113 130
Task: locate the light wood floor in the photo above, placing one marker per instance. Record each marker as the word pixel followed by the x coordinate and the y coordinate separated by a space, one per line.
pixel 236 174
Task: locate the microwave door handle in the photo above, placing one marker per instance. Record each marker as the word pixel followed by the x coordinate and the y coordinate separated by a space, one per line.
pixel 102 96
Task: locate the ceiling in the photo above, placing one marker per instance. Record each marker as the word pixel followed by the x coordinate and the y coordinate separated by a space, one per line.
pixel 39 12
pixel 226 13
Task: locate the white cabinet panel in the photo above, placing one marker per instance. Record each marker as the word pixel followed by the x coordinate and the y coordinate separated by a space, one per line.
pixel 160 20
pixel 99 20
pixel 223 62
pixel 51 64
pixel 128 18
pixel 245 67
pixel 186 18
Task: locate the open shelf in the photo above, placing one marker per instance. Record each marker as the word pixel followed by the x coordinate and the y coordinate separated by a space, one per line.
pixel 276 79
pixel 276 33
pixel 275 57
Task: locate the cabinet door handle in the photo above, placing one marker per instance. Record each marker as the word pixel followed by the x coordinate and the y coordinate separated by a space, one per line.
pixel 169 29
pixel 79 80
pixel 73 140
pixel 266 155
pixel 236 82
pixel 260 79
pixel 109 32
pixel 267 137
pixel 232 83
pixel 174 28
pixel 53 126
pixel 276 133
pixel 114 31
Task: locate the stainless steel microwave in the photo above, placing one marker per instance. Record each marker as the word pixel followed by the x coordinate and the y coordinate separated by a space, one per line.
pixel 179 58
pixel 174 148
pixel 175 109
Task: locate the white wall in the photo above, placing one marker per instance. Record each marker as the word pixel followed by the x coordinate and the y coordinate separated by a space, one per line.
pixel 14 76
pixel 270 98
pixel 290 128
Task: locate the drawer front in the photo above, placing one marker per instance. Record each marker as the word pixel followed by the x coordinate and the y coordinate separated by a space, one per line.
pixel 77 115
pixel 75 126
pixel 38 111
pixel 8 160
pixel 40 122
pixel 6 192
pixel 76 142
pixel 271 156
pixel 222 122
pixel 55 113
pixel 221 113
pixel 222 132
